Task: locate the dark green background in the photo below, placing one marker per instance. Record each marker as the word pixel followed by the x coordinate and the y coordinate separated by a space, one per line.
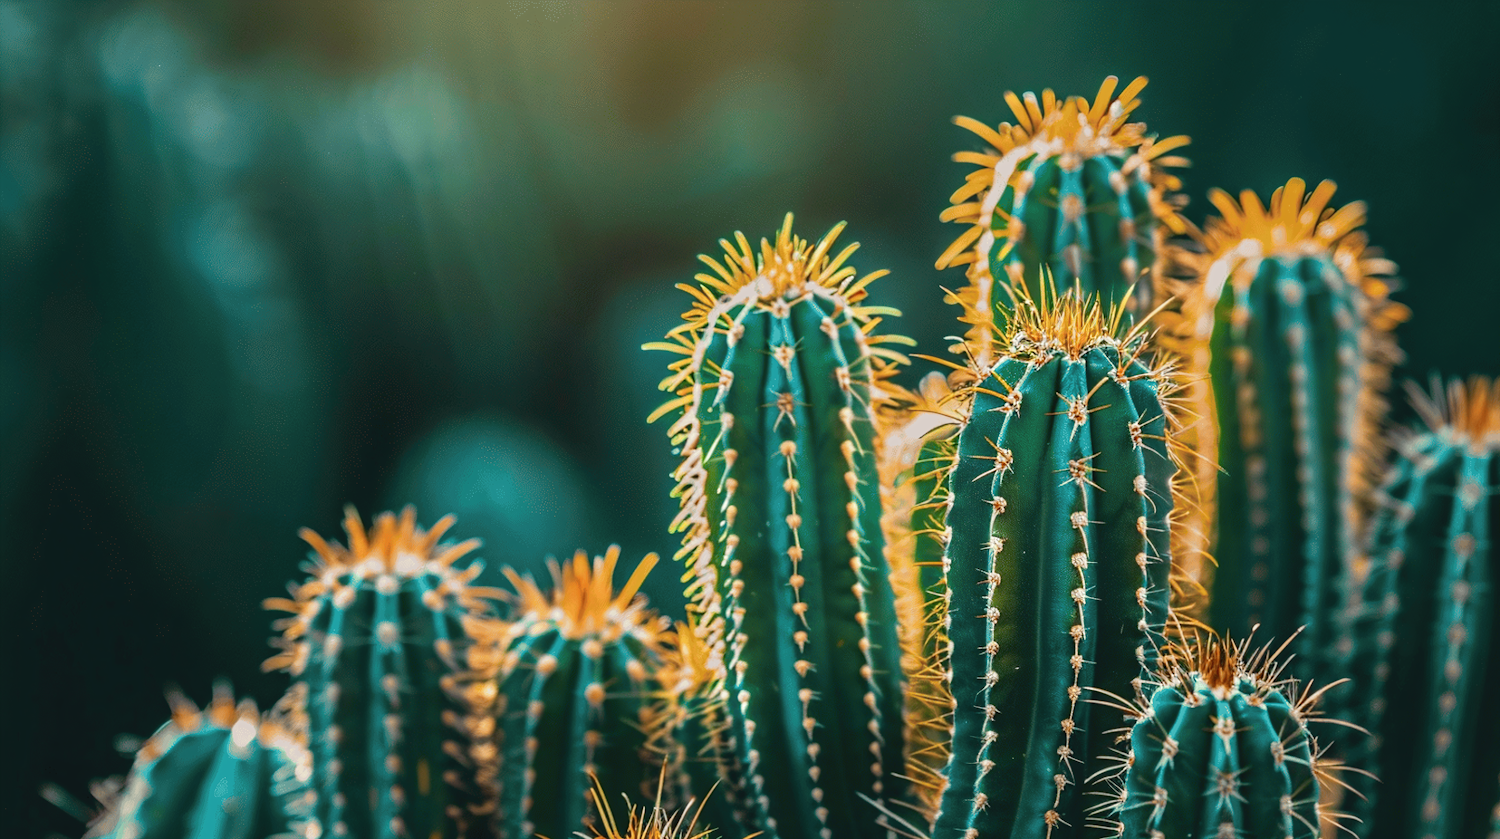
pixel 265 258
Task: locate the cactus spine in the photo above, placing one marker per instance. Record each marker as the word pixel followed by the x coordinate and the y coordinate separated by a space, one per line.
pixel 1221 749
pixel 781 513
pixel 223 772
pixel 378 640
pixel 1427 642
pixel 1292 327
pixel 576 694
pixel 1073 187
pixel 1060 503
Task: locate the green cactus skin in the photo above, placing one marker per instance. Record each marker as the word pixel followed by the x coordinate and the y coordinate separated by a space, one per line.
pixel 1061 500
pixel 379 639
pixel 781 509
pixel 220 773
pixel 1295 324
pixel 1427 641
pixel 1073 187
pixel 577 696
pixel 1221 751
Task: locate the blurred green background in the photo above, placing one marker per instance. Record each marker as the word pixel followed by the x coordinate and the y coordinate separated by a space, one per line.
pixel 266 257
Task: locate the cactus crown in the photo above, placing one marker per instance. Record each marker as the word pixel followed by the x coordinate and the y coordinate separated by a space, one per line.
pixel 582 602
pixel 1465 410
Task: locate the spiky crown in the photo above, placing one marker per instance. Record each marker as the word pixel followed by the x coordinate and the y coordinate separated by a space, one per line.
pixel 392 551
pixel 1055 127
pixel 583 606
pixel 1466 411
pixel 784 270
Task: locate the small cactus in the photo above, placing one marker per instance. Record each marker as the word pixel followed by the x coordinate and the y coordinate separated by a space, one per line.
pixel 1290 329
pixel 1060 503
pixel 222 772
pixel 781 518
pixel 1427 639
pixel 1221 749
pixel 1073 187
pixel 379 643
pixel 577 689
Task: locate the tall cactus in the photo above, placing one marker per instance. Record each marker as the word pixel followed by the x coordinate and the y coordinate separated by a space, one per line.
pixel 781 513
pixel 1072 186
pixel 577 687
pixel 223 772
pixel 379 640
pixel 1290 333
pixel 1058 557
pixel 1222 749
pixel 1427 641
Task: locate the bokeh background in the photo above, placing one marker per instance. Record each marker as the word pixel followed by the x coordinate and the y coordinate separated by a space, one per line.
pixel 266 257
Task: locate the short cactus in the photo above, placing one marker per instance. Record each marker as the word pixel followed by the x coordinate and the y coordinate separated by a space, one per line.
pixel 1221 749
pixel 781 513
pixel 223 772
pixel 1292 326
pixel 1073 187
pixel 577 689
pixel 377 641
pixel 1427 641
pixel 1058 556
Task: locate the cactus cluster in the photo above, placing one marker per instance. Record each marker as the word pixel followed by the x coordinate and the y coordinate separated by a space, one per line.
pixel 945 612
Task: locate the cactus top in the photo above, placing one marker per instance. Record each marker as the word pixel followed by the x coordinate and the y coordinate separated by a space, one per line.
pixel 1464 414
pixel 1068 131
pixel 583 606
pixel 391 551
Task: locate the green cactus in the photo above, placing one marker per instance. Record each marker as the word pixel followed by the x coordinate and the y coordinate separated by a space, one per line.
pixel 379 640
pixel 1427 640
pixel 223 772
pixel 1290 329
pixel 781 513
pixel 1072 187
pixel 577 690
pixel 1221 749
pixel 1058 556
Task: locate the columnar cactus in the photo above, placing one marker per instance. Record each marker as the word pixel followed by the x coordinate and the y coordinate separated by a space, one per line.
pixel 781 513
pixel 1292 326
pixel 1058 558
pixel 1221 749
pixel 1072 186
pixel 1427 642
pixel 223 772
pixel 577 688
pixel 379 641
pixel 692 732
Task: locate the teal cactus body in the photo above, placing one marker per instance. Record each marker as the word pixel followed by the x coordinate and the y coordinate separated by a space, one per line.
pixel 1292 330
pixel 379 641
pixel 1073 187
pixel 577 695
pixel 781 508
pixel 220 773
pixel 1221 750
pixel 1427 640
pixel 1058 564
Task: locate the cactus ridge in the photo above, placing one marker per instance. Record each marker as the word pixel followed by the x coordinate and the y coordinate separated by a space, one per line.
pixel 1073 186
pixel 781 519
pixel 379 639
pixel 1427 634
pixel 221 772
pixel 1060 508
pixel 577 691
pixel 1221 748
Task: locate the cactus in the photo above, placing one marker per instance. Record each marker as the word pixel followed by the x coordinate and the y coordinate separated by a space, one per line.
pixel 1222 749
pixel 1073 187
pixel 223 772
pixel 1291 327
pixel 1058 561
pixel 379 639
pixel 1427 642
pixel 577 689
pixel 781 513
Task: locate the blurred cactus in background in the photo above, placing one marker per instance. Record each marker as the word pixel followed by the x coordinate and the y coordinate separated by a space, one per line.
pixel 1426 638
